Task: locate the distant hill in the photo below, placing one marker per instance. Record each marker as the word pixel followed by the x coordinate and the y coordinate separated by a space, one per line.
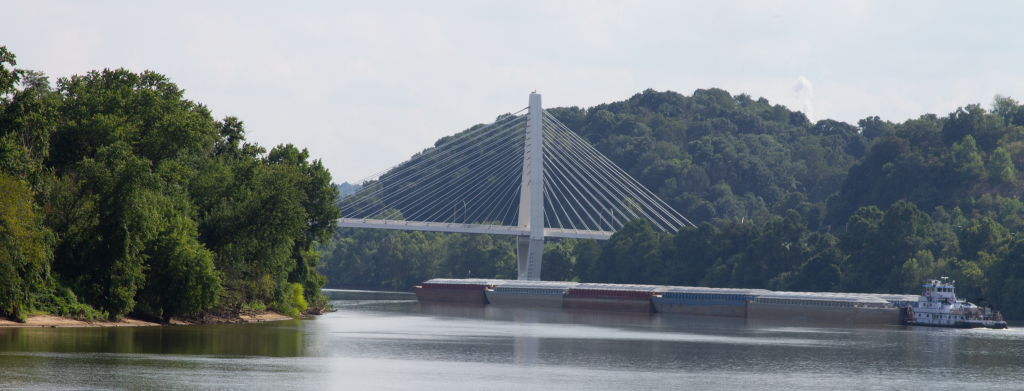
pixel 346 188
pixel 714 156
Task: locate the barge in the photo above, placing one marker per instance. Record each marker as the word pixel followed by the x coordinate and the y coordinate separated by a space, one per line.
pixel 823 307
pixel 937 306
pixel 611 297
pixel 543 294
pixel 723 302
pixel 450 290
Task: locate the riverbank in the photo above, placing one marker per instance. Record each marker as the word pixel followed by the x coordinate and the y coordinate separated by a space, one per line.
pixel 60 321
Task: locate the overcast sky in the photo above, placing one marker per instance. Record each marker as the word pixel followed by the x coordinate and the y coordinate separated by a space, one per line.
pixel 366 84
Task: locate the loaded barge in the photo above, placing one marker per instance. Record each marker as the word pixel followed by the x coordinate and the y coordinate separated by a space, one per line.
pixel 449 290
pixel 611 297
pixel 542 294
pixel 937 306
pixel 823 307
pixel 688 300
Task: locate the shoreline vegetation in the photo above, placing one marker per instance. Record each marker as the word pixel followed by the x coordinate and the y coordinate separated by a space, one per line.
pixel 121 199
pixel 54 321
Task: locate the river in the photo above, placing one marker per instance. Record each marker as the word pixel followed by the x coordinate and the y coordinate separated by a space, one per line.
pixel 383 341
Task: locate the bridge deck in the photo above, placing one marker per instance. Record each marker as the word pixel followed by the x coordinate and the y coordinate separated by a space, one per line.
pixel 470 228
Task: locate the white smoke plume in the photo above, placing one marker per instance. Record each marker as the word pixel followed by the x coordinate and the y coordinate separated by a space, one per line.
pixel 803 91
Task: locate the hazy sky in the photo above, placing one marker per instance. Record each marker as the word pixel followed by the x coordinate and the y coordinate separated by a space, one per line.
pixel 366 84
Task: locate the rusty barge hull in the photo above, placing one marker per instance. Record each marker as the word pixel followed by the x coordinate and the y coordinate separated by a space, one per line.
pixel 451 296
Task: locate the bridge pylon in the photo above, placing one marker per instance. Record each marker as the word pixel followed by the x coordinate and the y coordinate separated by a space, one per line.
pixel 530 248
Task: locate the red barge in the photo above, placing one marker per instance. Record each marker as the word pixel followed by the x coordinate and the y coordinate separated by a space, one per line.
pixel 611 297
pixel 465 291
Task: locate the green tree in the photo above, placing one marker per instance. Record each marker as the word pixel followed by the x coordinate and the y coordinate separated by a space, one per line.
pixel 1000 167
pixel 632 255
pixel 102 256
pixel 1006 279
pixel 822 272
pixel 321 213
pixel 24 249
pixel 690 253
pixel 179 270
pixel 251 214
pixel 980 235
pixel 972 121
pixel 965 161
pixel 145 111
pixel 879 244
pixel 1004 107
pixel 559 260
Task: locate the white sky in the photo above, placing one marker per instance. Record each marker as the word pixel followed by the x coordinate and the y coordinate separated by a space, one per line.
pixel 366 84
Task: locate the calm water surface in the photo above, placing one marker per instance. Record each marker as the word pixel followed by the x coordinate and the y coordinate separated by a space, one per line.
pixel 390 341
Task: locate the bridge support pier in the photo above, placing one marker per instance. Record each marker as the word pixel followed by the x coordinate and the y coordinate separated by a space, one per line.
pixel 528 257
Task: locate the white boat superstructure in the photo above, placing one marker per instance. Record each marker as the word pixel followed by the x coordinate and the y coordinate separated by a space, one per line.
pixel 938 306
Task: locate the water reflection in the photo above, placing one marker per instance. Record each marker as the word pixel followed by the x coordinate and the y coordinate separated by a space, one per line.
pixel 527 345
pixel 283 339
pixel 389 340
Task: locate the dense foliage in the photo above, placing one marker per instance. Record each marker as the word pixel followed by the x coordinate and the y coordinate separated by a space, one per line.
pixel 786 204
pixel 120 196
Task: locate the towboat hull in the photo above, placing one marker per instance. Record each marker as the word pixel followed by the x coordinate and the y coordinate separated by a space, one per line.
pixel 962 325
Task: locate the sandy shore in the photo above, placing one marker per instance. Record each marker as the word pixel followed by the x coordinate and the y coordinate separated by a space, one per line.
pixel 268 316
pixel 58 321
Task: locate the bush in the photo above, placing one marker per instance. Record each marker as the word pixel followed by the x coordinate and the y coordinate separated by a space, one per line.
pixel 255 306
pixel 63 302
pixel 295 303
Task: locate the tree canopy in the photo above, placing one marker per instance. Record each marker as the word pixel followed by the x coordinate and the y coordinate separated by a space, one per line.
pixel 122 197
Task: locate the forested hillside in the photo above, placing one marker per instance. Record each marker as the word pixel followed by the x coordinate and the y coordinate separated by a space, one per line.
pixel 715 157
pixel 786 204
pixel 119 196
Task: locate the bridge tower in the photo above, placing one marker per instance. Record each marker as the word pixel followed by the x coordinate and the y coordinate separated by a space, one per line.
pixel 531 197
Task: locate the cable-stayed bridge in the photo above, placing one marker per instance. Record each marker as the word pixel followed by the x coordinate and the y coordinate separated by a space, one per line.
pixel 526 174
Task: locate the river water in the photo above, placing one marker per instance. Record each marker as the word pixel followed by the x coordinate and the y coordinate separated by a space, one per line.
pixel 389 341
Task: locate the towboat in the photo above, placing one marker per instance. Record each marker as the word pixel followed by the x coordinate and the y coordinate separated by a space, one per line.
pixel 938 306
